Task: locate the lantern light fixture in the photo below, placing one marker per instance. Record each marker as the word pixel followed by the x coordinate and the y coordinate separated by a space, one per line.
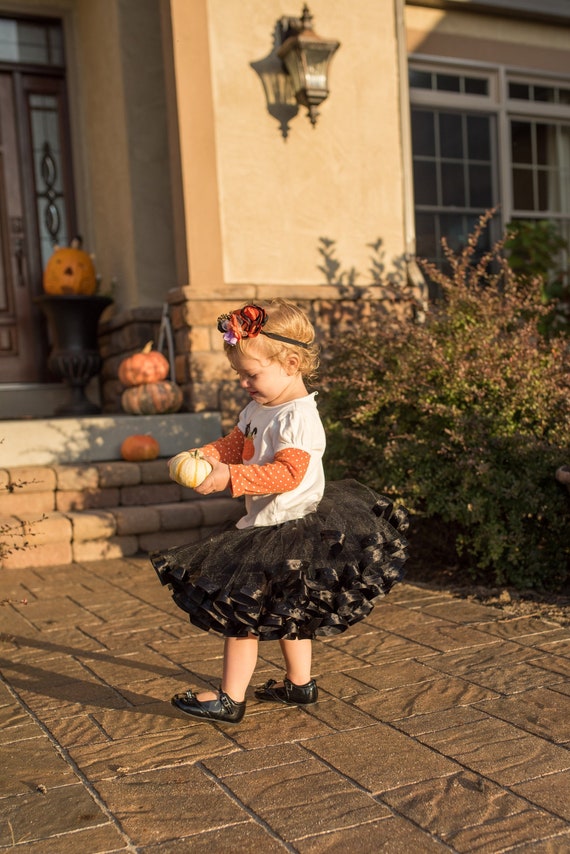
pixel 306 57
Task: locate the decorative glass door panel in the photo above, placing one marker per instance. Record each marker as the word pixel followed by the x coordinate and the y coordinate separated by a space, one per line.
pixel 36 192
pixel 48 173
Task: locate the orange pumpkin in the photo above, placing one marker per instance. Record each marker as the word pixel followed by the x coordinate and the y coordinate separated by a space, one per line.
pixel 152 398
pixel 140 447
pixel 148 366
pixel 70 270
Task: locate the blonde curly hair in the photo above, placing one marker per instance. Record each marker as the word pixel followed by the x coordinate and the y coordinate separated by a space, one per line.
pixel 286 319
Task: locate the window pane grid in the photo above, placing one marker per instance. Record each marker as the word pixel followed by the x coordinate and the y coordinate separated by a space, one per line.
pixel 447 82
pixel 459 181
pixel 36 43
pixel 540 157
pixel 458 158
pixel 539 93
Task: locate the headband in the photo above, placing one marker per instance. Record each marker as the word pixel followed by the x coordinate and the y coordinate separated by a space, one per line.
pixel 248 322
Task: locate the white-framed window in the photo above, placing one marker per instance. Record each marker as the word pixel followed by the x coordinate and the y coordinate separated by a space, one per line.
pixel 486 136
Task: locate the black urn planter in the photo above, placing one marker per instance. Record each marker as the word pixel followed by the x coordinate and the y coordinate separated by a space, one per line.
pixel 74 357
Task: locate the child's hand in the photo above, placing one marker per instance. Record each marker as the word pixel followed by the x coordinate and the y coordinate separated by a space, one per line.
pixel 217 480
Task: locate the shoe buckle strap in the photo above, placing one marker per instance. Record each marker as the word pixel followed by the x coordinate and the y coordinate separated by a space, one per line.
pixel 226 702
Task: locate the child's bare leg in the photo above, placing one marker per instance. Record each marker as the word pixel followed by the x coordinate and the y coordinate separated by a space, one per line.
pixel 240 658
pixel 298 657
pixel 297 689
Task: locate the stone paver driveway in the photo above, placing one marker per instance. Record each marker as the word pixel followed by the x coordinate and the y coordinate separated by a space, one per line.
pixel 442 726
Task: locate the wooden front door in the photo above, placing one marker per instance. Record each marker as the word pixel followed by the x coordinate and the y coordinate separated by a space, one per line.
pixel 36 206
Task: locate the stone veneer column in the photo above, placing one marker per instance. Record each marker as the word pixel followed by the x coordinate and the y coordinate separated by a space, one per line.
pixel 202 368
pixel 125 333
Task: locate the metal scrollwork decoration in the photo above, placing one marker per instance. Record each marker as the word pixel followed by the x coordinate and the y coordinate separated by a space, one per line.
pixel 48 171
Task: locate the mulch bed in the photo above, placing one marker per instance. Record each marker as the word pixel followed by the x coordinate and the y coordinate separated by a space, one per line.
pixel 434 565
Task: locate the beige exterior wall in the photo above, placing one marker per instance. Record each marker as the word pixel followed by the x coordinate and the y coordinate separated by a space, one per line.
pixel 197 185
pixel 183 176
pixel 103 138
pixel 506 41
pixel 256 205
pixel 122 135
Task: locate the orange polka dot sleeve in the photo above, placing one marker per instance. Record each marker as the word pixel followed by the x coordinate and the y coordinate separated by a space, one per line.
pixel 228 449
pixel 282 475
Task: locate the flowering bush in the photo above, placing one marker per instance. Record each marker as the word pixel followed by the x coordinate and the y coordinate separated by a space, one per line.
pixel 465 418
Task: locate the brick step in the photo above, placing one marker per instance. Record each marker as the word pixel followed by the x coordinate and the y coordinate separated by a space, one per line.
pixel 53 515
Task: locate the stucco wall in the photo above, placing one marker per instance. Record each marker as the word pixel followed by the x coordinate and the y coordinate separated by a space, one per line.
pixel 121 132
pixel 508 41
pixel 256 204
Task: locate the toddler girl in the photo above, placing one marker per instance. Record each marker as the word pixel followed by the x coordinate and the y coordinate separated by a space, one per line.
pixel 306 559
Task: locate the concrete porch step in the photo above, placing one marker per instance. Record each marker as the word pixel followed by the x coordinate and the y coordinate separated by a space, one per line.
pixel 64 441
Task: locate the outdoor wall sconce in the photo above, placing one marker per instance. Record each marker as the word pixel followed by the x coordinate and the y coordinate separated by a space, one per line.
pixel 296 70
pixel 306 57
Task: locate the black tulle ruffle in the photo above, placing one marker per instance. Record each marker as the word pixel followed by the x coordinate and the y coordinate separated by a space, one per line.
pixel 309 577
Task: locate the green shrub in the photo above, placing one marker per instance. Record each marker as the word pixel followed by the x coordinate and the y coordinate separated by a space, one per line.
pixel 465 418
pixel 536 251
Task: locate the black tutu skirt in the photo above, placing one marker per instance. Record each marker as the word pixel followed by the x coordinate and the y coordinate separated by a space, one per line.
pixel 305 578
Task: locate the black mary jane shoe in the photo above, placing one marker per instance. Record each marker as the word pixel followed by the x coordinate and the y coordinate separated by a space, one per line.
pixel 288 693
pixel 224 709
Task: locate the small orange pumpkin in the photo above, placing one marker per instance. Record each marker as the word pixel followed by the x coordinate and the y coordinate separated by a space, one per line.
pixel 148 366
pixel 140 447
pixel 152 398
pixel 70 270
pixel 189 468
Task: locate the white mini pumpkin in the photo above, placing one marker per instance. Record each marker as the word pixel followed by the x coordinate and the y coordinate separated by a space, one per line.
pixel 189 468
